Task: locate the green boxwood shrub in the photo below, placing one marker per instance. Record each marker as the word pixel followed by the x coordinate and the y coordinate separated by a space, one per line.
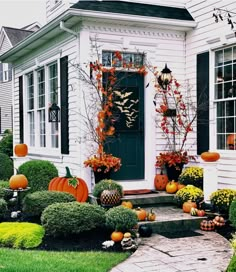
pixel 3 193
pixel 21 235
pixel 106 184
pixel 232 264
pixel 6 143
pixel 3 208
pixel 121 219
pixel 72 218
pixel 232 214
pixel 35 203
pixel 39 173
pixel 189 192
pixel 6 167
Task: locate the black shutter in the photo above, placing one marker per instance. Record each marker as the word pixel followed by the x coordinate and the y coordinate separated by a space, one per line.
pixel 64 105
pixel 203 102
pixel 21 115
pixel 9 72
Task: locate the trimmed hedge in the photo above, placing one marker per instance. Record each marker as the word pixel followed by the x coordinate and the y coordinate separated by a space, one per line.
pixel 6 167
pixel 3 208
pixel 121 219
pixel 35 203
pixel 6 143
pixel 21 235
pixel 232 213
pixel 39 173
pixel 72 218
pixel 3 193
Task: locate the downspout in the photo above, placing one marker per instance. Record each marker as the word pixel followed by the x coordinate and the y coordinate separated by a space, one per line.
pixel 64 28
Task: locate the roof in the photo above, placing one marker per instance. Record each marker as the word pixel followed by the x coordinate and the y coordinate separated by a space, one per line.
pixel 16 35
pixel 132 8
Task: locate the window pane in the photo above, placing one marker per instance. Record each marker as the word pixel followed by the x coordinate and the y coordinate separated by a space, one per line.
pixel 218 91
pixel 219 75
pixel 138 60
pixel 228 56
pixel 220 141
pixel 219 58
pixel 54 136
pixel 53 83
pixel 229 124
pixel 32 129
pixel 106 59
pixel 41 88
pixel 127 59
pixel 220 109
pixel 42 128
pixel 30 91
pixel 228 73
pixel 220 125
pixel 229 108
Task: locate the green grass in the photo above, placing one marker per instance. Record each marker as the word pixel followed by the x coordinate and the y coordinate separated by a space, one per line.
pixel 16 260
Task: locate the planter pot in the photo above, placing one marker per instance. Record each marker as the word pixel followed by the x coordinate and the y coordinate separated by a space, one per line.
pixel 101 175
pixel 172 172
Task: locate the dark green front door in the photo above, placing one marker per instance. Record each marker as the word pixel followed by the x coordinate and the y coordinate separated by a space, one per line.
pixel 129 141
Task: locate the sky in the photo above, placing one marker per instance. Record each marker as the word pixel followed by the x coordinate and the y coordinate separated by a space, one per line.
pixel 19 13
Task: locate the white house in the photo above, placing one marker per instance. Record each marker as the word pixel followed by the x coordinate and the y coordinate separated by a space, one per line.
pixel 184 36
pixel 9 37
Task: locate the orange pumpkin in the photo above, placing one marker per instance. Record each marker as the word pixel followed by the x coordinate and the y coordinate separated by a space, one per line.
pixel 180 186
pixel 127 204
pixel 21 150
pixel 210 156
pixel 18 181
pixel 141 213
pixel 160 182
pixel 231 139
pixel 171 187
pixel 151 216
pixel 117 236
pixel 73 185
pixel 188 205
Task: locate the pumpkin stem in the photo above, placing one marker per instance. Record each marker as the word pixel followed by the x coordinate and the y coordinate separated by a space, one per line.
pixel 68 173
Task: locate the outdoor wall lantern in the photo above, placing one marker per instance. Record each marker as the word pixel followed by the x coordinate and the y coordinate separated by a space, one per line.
pixel 54 113
pixel 165 77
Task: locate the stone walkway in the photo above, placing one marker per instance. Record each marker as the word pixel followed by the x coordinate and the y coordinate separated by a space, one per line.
pixel 209 252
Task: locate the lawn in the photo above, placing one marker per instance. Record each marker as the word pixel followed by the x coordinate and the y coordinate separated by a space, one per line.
pixel 15 260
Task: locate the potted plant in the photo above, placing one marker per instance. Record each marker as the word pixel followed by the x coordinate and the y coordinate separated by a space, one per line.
pixel 192 176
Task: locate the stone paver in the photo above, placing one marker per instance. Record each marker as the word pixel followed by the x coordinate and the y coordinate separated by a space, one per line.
pixel 209 252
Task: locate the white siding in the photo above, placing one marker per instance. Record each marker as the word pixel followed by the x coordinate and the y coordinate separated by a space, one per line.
pixel 207 36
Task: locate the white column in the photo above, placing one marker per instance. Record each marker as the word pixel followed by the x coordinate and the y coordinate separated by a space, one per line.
pixel 210 179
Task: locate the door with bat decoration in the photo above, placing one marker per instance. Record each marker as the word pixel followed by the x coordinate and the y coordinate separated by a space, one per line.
pixel 128 142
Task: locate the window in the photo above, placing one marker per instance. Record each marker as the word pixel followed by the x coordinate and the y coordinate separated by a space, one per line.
pixel 42 91
pixel 130 60
pixel 225 96
pixel 5 72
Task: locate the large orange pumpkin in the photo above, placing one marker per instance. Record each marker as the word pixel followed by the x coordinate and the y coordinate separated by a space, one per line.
pixel 18 181
pixel 188 205
pixel 117 236
pixel 21 150
pixel 172 187
pixel 73 185
pixel 160 182
pixel 210 156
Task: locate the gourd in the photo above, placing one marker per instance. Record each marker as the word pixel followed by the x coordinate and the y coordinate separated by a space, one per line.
pixel 171 187
pixel 21 150
pixel 219 221
pixel 188 205
pixel 141 213
pixel 160 181
pixel 207 225
pixel 127 204
pixel 193 211
pixel 127 235
pixel 117 236
pixel 18 181
pixel 210 156
pixel 151 216
pixel 73 185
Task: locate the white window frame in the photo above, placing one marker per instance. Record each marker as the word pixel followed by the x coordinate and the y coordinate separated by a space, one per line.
pixel 36 148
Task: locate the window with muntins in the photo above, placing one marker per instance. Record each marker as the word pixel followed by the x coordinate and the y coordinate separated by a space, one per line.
pixel 42 90
pixel 225 97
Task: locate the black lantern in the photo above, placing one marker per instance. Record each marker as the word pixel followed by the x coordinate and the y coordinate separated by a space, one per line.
pixel 165 77
pixel 54 113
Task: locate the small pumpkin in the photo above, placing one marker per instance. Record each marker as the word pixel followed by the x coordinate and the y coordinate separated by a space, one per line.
pixel 151 216
pixel 193 211
pixel 201 213
pixel 188 205
pixel 18 181
pixel 73 185
pixel 141 213
pixel 21 150
pixel 171 187
pixel 210 156
pixel 160 181
pixel 117 236
pixel 127 204
pixel 219 221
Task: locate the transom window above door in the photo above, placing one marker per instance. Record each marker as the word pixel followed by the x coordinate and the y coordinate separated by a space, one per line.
pixel 225 97
pixel 122 59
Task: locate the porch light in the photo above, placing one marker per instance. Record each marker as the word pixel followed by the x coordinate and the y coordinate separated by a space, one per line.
pixel 165 77
pixel 54 113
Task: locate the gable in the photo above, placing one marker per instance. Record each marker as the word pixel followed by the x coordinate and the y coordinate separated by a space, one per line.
pixel 5 44
pixel 132 8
